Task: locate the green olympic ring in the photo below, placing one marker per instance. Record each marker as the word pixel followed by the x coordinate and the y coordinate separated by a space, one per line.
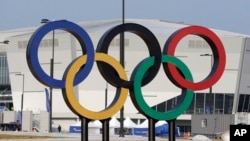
pixel 137 96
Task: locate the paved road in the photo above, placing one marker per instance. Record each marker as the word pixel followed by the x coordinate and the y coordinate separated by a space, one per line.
pixel 76 137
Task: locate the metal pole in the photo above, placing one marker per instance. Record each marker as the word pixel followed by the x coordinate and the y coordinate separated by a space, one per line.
pixel 105 129
pixel 171 128
pixel 122 63
pixel 106 95
pixel 151 129
pixel 21 74
pixel 22 103
pixel 210 89
pixel 21 111
pixel 52 75
pixel 84 129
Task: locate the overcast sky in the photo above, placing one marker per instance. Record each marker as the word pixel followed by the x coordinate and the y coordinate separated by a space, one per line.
pixel 230 15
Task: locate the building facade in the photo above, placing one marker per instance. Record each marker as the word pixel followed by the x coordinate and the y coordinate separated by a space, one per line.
pixel 229 95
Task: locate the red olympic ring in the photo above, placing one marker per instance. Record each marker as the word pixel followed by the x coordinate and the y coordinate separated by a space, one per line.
pixel 219 58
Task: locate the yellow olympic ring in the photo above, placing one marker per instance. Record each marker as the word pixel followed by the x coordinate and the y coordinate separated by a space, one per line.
pixel 73 103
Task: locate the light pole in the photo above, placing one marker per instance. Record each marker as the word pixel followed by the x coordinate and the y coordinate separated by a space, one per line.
pixel 5 42
pixel 21 74
pixel 51 73
pixel 210 89
pixel 122 63
pixel 106 95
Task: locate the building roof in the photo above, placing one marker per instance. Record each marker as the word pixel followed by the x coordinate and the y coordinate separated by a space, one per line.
pixel 101 26
pixel 155 25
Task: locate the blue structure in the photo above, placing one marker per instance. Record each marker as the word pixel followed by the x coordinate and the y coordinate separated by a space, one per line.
pixel 161 130
pixel 75 129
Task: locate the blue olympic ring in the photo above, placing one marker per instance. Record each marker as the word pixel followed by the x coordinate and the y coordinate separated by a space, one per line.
pixel 32 52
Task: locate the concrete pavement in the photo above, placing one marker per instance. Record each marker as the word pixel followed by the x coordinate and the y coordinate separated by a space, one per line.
pixel 76 137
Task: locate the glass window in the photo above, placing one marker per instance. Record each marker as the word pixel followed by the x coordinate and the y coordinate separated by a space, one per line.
pixel 240 105
pixel 244 104
pixel 190 110
pixel 161 107
pixel 209 103
pixel 228 106
pixel 191 44
pixel 171 104
pixel 219 101
pixel 198 44
pixel 199 107
pixel 205 44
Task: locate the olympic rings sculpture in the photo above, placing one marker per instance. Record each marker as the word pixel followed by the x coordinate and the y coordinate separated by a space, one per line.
pixel 113 72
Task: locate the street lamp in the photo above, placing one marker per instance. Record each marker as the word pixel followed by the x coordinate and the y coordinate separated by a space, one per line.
pixel 51 72
pixel 5 42
pixel 122 63
pixel 211 56
pixel 21 74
